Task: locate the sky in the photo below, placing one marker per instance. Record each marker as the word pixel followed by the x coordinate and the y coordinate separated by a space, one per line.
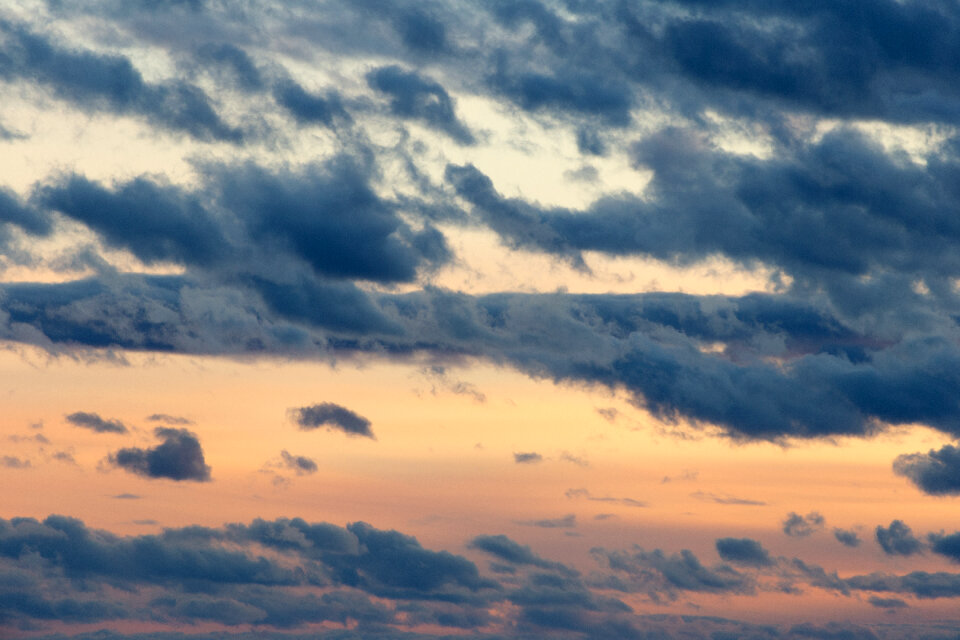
pixel 513 319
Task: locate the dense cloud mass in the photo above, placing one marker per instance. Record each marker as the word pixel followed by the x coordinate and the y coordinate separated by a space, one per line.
pixel 304 180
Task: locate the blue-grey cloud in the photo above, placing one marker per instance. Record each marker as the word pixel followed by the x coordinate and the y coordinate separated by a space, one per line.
pixel 14 462
pixel 331 416
pixel 415 96
pixel 301 465
pixel 847 537
pixel 743 551
pixel 308 108
pixel 527 457
pixel 109 82
pixel 94 422
pixel 178 457
pixel 898 539
pixel 565 522
pixel 502 547
pixel 799 526
pixel 946 545
pixel 936 472
pixel 166 418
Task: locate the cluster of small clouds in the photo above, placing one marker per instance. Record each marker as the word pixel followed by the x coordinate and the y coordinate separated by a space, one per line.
pixel 179 456
pixel 287 574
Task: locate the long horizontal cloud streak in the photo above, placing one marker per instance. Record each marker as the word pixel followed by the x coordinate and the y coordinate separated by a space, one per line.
pixel 833 380
pixel 287 573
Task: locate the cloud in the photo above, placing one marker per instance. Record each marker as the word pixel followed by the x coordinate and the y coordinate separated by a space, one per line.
pixel 307 108
pixel 503 548
pixel 331 416
pixel 109 82
pixel 946 545
pixel 415 96
pixel 584 493
pixel 299 464
pixel 743 551
pixel 94 422
pixel 798 526
pixel 898 539
pixel 566 522
pixel 659 574
pixel 725 499
pixel 936 472
pixel 178 457
pixel 846 537
pixel 13 462
pixel 168 419
pixel 887 603
pixel 530 457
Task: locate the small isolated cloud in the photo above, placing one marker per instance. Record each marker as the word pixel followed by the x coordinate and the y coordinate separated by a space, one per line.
pixel 798 526
pixel 94 422
pixel 686 475
pixel 178 457
pixel 568 521
pixel 64 456
pixel 586 495
pixel 332 416
pixel 936 472
pixel 743 551
pixel 299 464
pixel 577 460
pixel 846 537
pixel 725 499
pixel 168 419
pixel 126 496
pixel 13 462
pixel 898 540
pixel 527 458
pixel 887 603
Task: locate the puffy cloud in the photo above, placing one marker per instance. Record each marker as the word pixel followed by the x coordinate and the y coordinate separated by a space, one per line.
pixel 94 422
pixel 109 82
pixel 946 545
pixel 847 537
pixel 178 457
pixel 743 551
pixel 936 472
pixel 331 416
pixel 898 539
pixel 799 526
pixel 414 96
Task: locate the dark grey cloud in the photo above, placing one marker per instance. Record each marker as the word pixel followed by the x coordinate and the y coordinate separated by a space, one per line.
pixel 898 539
pixel 178 457
pixel 921 584
pixel 503 548
pixel 946 545
pixel 887 603
pixel 301 465
pixel 415 96
pixel 16 212
pixel 660 575
pixel 847 537
pixel 936 472
pixel 109 82
pixel 308 108
pixel 235 62
pixel 332 416
pixel 743 551
pixel 529 457
pixel 94 422
pixel 801 526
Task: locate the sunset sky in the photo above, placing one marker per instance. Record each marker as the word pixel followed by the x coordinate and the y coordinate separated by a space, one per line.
pixel 397 320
